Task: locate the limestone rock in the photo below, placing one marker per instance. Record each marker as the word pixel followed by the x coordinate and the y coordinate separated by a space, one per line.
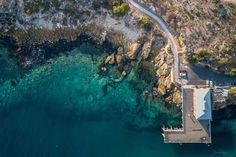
pixel 165 86
pixel 168 83
pixel 120 51
pixel 133 50
pixel 161 89
pixel 110 59
pixel 177 96
pixel 118 58
pixel 146 50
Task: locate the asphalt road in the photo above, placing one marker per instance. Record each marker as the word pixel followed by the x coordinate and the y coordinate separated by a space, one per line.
pixel 167 33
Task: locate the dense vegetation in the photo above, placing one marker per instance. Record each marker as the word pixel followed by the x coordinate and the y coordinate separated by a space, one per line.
pixel 232 92
pixel 200 56
pixel 233 7
pixel 224 58
pixel 102 3
pixel 145 22
pixel 121 9
pixel 40 6
pixel 118 7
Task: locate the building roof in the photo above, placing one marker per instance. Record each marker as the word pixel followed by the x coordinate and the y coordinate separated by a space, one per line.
pixel 183 71
pixel 202 104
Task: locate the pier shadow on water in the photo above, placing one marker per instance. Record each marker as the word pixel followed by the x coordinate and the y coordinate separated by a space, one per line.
pixel 223 137
pixel 223 144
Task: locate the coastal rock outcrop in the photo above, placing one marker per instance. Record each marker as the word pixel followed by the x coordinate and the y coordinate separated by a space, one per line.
pixel 165 85
pixel 232 96
pixel 136 47
pixel 133 50
pixel 147 49
pixel 110 59
pixel 120 55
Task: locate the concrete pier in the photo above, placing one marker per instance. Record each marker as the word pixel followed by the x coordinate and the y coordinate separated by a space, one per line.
pixel 196 117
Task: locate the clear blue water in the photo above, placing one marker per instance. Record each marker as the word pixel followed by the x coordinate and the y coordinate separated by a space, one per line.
pixel 60 109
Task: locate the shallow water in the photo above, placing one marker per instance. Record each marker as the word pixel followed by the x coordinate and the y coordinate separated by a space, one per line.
pixel 8 66
pixel 61 109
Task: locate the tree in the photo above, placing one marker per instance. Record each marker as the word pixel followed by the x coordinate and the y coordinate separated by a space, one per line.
pixel 232 92
pixel 96 4
pixel 121 9
pixel 200 56
pixel 145 22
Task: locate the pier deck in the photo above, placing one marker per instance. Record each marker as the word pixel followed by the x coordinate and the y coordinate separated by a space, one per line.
pixel 194 130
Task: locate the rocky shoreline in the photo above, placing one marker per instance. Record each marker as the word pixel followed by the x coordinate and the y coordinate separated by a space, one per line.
pixel 36 38
pixel 26 48
pixel 130 46
pixel 133 44
pixel 31 50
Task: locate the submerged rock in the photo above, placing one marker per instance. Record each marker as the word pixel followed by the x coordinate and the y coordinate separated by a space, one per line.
pixel 146 72
pixel 13 83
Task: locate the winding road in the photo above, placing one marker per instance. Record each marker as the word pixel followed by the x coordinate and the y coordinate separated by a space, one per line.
pixel 167 33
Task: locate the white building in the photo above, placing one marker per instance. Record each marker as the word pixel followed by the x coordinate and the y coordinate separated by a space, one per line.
pixel 202 104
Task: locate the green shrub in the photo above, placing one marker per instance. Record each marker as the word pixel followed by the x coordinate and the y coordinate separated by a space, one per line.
pixel 40 5
pixel 116 2
pixel 118 7
pixel 121 10
pixel 96 4
pixel 145 22
pixel 55 3
pixel 107 4
pixel 33 7
pixel 233 7
pixel 169 49
pixel 233 72
pixel 200 55
pixel 232 91
pixel 223 61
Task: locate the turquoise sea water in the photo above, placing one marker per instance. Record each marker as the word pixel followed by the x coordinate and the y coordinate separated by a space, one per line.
pixel 66 109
